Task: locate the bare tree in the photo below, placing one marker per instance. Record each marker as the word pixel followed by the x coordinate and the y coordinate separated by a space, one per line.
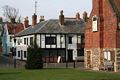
pixel 10 12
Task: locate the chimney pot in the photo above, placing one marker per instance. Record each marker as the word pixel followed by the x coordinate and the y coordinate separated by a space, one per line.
pixel 61 18
pixel 85 17
pixel 26 22
pixel 34 20
pixel 42 18
pixel 77 16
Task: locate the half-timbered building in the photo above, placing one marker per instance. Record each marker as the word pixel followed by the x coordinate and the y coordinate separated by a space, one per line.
pixel 62 37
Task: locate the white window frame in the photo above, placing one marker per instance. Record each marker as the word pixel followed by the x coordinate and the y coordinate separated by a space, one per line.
pixel 95 24
pixel 107 55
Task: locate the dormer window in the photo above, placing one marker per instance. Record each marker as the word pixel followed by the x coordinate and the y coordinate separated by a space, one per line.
pixel 95 23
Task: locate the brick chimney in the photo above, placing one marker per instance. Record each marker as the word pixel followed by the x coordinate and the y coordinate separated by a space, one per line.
pixel 61 18
pixel 26 22
pixel 34 20
pixel 77 16
pixel 1 19
pixel 42 18
pixel 85 17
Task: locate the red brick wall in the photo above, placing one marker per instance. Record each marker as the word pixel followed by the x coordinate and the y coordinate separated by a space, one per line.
pixel 110 26
pixel 107 27
pixel 92 38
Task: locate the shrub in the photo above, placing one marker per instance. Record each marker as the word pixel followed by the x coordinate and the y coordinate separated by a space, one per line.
pixel 34 58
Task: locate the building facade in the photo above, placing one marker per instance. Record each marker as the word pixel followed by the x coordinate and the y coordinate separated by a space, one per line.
pixel 7 37
pixel 102 36
pixel 63 37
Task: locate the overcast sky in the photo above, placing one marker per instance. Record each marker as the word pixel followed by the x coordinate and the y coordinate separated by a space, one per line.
pixel 48 8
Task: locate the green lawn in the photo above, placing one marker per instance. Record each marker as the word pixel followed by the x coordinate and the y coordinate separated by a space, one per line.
pixel 56 74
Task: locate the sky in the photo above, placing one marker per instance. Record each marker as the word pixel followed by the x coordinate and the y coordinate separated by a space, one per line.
pixel 50 9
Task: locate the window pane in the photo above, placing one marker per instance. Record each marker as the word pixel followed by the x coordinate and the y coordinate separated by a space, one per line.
pixel 27 41
pixel 18 53
pixel 105 55
pixel 24 40
pixel 31 40
pixel 25 54
pixel 109 56
pixel 79 39
pixel 70 40
pixel 50 40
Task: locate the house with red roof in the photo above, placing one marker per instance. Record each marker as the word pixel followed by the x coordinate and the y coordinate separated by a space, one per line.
pixel 9 30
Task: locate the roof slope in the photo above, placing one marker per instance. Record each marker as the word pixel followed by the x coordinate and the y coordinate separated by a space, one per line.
pixel 116 6
pixel 53 26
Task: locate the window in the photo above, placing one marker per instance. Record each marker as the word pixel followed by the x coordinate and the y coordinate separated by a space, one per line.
pixel 94 19
pixel 79 39
pixel 70 40
pixel 10 38
pixel 50 40
pixel 80 52
pixel 18 53
pixel 31 40
pixel 61 39
pixel 107 55
pixel 94 24
pixel 25 54
pixel 27 41
pixel 19 41
pixel 24 40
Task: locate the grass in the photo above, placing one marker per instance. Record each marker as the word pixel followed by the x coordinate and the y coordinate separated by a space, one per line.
pixel 56 74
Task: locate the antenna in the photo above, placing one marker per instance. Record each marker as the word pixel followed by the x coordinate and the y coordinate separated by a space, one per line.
pixel 35 6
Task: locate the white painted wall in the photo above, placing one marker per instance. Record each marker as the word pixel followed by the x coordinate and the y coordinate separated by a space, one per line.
pixel 41 43
pixel 22 46
pixel 60 44
pixel 74 43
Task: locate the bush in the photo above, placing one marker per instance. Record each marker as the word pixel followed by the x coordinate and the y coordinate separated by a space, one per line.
pixel 34 58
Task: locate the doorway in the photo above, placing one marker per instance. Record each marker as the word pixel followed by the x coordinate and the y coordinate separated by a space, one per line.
pixel 70 55
pixel 89 59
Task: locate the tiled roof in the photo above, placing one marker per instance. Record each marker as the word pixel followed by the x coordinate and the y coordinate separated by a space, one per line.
pixel 70 26
pixel 31 30
pixel 53 26
pixel 18 27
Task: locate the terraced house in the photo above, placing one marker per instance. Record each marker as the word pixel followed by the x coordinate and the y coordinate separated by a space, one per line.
pixel 102 36
pixel 62 37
